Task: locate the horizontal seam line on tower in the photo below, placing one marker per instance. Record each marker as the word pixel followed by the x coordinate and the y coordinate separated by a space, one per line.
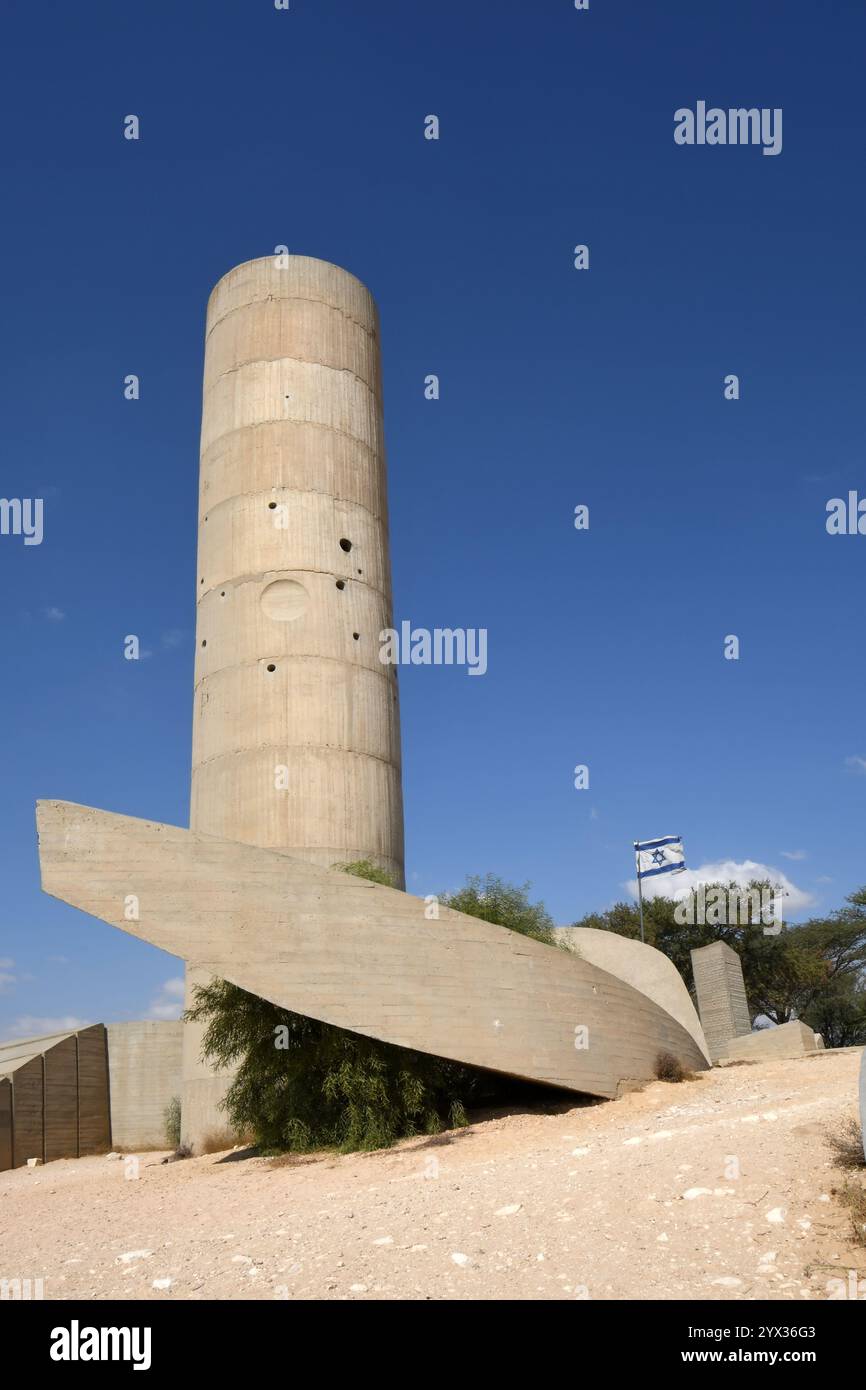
pixel 302 656
pixel 291 299
pixel 277 420
pixel 284 357
pixel 290 747
pixel 291 569
pixel 282 420
pixel 301 492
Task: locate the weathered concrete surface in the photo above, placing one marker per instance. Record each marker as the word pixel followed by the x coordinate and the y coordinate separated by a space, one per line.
pixel 721 992
pixel 145 1066
pixel 642 966
pixel 359 955
pixel 293 464
pixel 788 1040
pixel 296 736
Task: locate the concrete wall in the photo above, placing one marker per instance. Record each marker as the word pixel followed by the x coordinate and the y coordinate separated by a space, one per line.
pixel 296 734
pixel 721 993
pixel 788 1040
pixel 145 1071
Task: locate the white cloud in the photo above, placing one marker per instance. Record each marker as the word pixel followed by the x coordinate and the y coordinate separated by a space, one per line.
pixel 793 854
pixel 6 962
pixel 858 764
pixel 168 1003
pixel 6 981
pixel 54 615
pixel 724 871
pixel 31 1026
pixel 173 638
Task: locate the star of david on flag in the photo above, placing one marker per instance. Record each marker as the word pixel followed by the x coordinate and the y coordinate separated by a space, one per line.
pixel 664 856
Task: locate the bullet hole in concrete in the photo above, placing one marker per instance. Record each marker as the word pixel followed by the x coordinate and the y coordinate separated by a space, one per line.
pixel 345 545
pixel 341 583
pixel 271 667
pixel 272 506
pixel 360 571
pixel 204 642
pixel 222 593
pixel 201 581
pixel 356 636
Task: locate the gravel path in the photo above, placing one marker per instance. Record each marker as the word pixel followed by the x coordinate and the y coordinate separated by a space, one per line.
pixel 714 1189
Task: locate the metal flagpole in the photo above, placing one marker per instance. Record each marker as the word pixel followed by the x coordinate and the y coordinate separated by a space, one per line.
pixel 639 888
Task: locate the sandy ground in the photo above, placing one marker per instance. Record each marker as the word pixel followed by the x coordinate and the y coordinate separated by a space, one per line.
pixel 714 1189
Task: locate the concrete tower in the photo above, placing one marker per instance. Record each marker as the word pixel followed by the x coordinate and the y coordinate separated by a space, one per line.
pixel 296 732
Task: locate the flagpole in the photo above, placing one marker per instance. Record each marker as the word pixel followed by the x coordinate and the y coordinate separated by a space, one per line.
pixel 639 888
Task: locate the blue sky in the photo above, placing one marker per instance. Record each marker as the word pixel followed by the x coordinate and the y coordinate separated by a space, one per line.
pixel 558 387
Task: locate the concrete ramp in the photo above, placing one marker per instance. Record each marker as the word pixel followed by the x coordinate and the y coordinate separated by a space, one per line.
pixel 359 955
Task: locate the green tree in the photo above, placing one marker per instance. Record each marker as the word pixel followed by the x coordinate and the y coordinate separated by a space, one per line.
pixel 814 971
pixel 836 1005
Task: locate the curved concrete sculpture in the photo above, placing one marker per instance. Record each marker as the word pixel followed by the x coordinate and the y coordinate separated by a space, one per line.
pixel 642 966
pixel 360 955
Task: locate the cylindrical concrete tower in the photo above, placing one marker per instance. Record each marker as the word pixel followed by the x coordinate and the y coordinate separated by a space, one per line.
pixel 296 734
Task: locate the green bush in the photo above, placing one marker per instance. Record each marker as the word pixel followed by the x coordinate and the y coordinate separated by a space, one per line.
pixel 171 1122
pixel 503 903
pixel 303 1085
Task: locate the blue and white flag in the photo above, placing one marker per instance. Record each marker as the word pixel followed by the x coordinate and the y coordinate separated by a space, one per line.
pixel 664 856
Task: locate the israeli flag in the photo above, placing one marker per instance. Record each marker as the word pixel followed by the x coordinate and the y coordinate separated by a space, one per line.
pixel 664 856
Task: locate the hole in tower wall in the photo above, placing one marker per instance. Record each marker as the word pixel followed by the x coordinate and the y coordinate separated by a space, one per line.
pixel 204 642
pixel 341 583
pixel 271 666
pixel 345 545
pixel 356 636
pixel 272 506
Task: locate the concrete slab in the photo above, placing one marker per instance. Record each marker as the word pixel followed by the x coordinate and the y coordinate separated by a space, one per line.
pixel 359 955
pixel 788 1040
